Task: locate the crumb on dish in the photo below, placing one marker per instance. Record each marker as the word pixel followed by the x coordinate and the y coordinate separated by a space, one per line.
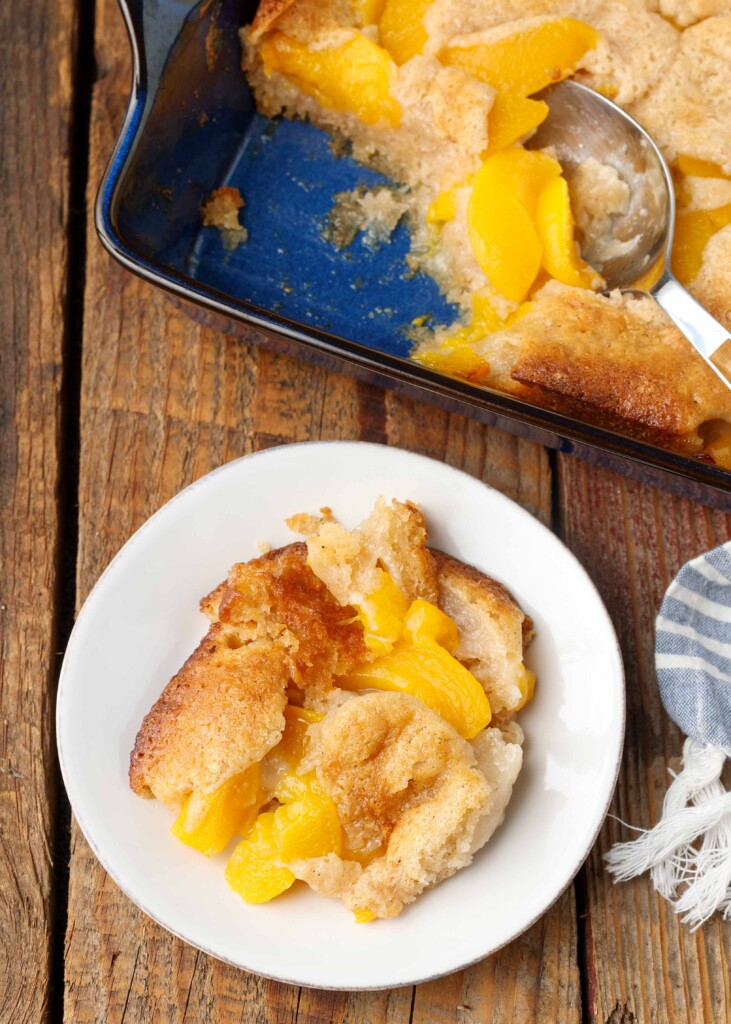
pixel 221 211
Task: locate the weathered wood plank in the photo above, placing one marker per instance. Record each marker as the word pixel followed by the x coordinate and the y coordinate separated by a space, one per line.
pixel 163 401
pixel 643 965
pixel 36 58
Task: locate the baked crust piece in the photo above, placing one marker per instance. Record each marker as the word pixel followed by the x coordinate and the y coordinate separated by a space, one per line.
pixel 266 14
pixel 493 629
pixel 216 717
pixel 393 537
pixel 617 361
pixel 274 625
pixel 407 787
pixel 688 111
pixel 278 597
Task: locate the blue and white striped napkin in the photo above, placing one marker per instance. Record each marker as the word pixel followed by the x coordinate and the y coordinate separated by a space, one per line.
pixel 688 852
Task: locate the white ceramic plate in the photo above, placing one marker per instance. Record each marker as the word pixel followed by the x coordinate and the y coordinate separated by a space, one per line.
pixel 141 622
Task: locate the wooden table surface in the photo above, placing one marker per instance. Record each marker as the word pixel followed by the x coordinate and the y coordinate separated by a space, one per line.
pixel 110 402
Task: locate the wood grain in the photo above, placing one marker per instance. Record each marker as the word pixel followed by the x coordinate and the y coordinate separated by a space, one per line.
pixel 36 54
pixel 643 966
pixel 163 401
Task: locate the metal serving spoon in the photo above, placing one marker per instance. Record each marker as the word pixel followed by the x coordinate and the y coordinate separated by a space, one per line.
pixel 581 124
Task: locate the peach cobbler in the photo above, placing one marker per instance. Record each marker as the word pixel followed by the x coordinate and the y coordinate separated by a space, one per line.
pixel 349 718
pixel 440 96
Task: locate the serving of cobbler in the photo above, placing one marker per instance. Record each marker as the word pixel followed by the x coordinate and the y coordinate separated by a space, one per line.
pixel 348 720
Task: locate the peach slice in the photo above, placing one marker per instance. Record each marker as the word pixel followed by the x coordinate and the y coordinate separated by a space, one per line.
pixel 443 208
pixel 527 687
pixel 518 172
pixel 530 60
pixel 693 231
pixel 512 117
pixel 421 664
pixel 555 224
pixel 230 810
pixel 306 825
pixel 253 870
pixel 456 355
pixel 382 615
pixel 505 244
pixel 691 167
pixel 503 237
pixel 355 77
pixel 401 28
pixel 368 12
pixel 459 359
pixel 293 744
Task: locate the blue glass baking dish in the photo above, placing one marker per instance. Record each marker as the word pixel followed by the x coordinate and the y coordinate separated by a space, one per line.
pixel 191 127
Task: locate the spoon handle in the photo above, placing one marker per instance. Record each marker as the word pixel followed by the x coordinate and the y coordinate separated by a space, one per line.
pixel 709 337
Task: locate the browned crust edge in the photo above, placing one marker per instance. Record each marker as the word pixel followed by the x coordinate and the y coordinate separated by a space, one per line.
pixel 485 582
pixel 267 13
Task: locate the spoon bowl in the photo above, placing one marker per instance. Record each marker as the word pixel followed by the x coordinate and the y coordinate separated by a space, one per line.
pixel 583 125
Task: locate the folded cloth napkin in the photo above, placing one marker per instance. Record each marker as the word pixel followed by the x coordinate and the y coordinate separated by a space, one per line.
pixel 688 852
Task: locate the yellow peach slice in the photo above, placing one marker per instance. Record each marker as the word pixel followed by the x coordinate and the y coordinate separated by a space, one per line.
pixel 363 915
pixel 291 748
pixel 555 224
pixel 527 686
pixel 691 167
pixel 230 810
pixel 401 29
pixel 306 825
pixel 443 208
pixel 456 355
pixel 354 77
pixel 458 359
pixel 420 665
pixel 512 117
pixel 499 218
pixel 382 614
pixel 530 60
pixel 425 622
pixel 505 244
pixel 693 231
pixel 368 12
pixel 253 871
pixel 518 172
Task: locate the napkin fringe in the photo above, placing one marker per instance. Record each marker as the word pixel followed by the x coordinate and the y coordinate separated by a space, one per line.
pixel 688 852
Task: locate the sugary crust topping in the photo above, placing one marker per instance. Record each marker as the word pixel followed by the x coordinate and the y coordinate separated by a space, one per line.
pixel 618 357
pixel 393 537
pixel 408 788
pixel 275 625
pixel 267 14
pixel 687 110
pixel 380 754
pixel 217 716
pixel 279 597
pixel 712 286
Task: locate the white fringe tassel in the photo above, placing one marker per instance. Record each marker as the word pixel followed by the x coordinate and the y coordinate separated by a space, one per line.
pixel 688 852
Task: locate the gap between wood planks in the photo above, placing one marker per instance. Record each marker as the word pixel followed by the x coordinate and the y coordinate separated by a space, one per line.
pixel 69 449
pixel 581 900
